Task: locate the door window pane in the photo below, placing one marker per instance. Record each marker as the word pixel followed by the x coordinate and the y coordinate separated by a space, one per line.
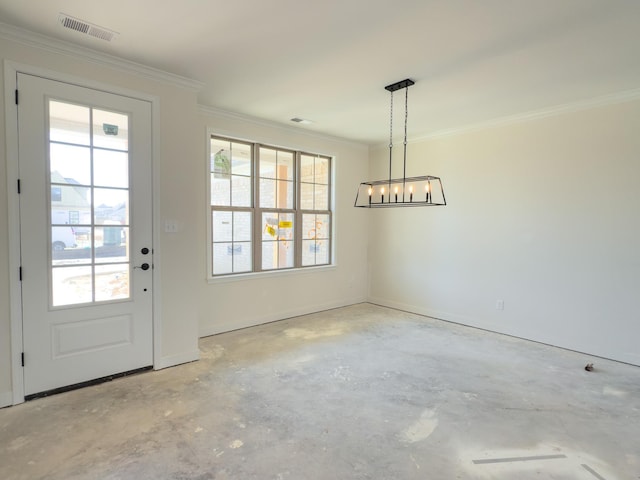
pixel 110 169
pixel 111 206
pixel 69 123
pixel 112 282
pixel 70 164
pixel 111 244
pixel 64 247
pixel 71 285
pixel 89 204
pixel 110 130
pixel 70 202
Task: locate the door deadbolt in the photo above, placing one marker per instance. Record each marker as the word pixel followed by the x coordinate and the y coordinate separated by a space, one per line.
pixel 144 251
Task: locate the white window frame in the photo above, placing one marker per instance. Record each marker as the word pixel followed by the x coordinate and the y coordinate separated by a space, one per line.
pixel 257 211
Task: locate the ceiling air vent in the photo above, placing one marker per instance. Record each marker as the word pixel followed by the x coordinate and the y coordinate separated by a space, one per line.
pixel 87 28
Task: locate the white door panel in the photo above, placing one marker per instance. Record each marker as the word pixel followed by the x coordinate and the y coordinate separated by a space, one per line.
pixel 85 225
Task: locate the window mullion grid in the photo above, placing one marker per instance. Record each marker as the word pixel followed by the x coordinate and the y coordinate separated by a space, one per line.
pixel 328 238
pixel 290 211
pixel 302 214
pixel 256 240
pixel 277 211
pixel 293 210
pixel 298 212
pixel 256 237
pixel 233 237
pixel 233 241
pixel 329 210
pixel 93 206
pixel 213 242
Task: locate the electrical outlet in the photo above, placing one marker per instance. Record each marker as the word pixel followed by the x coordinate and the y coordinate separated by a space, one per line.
pixel 499 304
pixel 170 226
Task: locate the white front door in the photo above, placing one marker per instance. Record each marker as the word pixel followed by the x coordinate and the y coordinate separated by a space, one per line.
pixel 86 232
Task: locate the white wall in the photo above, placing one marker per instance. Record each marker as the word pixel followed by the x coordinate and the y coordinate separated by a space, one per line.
pixel 543 214
pixel 231 304
pixel 178 166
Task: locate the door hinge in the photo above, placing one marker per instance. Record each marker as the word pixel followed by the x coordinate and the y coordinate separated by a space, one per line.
pixel 19 187
pixel 20 272
pixel 22 357
pixel 16 96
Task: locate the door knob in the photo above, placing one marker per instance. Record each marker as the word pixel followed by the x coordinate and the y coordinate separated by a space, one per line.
pixel 144 266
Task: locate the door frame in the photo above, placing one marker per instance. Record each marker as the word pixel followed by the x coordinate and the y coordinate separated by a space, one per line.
pixel 11 69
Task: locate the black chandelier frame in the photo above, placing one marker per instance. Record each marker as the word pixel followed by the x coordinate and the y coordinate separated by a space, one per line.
pixel 422 191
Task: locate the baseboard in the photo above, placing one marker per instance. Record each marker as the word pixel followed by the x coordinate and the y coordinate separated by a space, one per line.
pixel 274 317
pixel 6 399
pixel 626 357
pixel 177 359
pixel 435 314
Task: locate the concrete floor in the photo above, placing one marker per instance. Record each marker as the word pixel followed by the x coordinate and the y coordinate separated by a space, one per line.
pixel 361 392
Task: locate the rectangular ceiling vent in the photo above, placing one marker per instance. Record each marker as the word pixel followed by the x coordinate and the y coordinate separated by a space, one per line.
pixel 87 28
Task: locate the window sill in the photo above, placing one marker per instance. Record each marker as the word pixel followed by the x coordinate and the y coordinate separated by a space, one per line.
pixel 240 277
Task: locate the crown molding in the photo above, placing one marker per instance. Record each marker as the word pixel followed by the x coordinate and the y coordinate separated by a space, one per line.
pixel 214 111
pixel 61 47
pixel 581 105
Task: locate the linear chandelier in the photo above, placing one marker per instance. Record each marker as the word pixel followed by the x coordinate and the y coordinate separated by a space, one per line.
pixel 424 191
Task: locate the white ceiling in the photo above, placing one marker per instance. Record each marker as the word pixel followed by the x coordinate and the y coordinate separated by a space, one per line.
pixel 328 61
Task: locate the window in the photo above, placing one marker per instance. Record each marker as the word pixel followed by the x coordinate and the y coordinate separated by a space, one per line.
pixel 314 205
pixel 270 208
pixel 231 206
